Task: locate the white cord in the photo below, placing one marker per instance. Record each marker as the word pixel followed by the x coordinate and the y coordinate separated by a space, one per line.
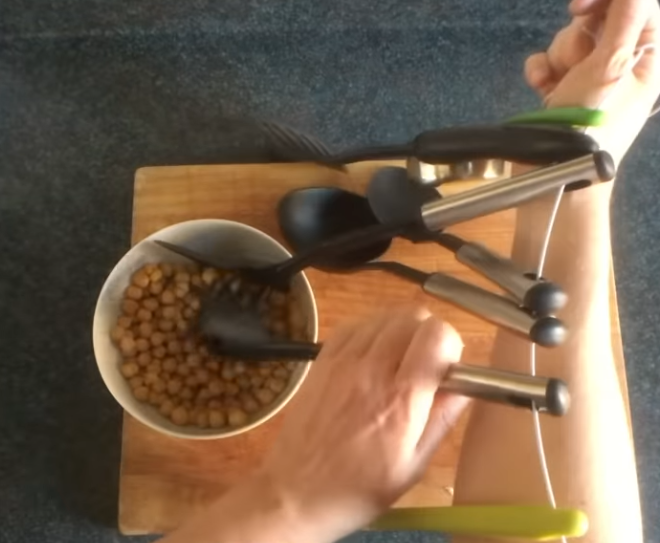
pixel 536 420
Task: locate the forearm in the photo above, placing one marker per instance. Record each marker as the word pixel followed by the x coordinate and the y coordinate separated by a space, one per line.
pixel 589 451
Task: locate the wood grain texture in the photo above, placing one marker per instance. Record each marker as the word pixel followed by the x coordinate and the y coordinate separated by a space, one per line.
pixel 163 479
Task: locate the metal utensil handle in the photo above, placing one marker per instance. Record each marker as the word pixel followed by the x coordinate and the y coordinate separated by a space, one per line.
pixel 538 296
pixel 511 192
pixel 548 395
pixel 546 331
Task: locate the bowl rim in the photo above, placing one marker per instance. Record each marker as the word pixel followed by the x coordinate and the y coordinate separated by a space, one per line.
pixel 104 369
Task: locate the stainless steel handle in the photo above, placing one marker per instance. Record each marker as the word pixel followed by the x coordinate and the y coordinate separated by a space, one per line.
pixel 511 192
pixel 546 331
pixel 540 297
pixel 517 389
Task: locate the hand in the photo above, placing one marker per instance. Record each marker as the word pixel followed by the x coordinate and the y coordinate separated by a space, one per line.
pixel 591 63
pixel 365 424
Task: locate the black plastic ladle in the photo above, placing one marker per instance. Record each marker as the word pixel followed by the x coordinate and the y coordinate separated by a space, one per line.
pixel 307 216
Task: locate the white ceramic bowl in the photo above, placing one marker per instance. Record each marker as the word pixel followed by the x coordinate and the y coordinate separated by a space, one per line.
pixel 235 245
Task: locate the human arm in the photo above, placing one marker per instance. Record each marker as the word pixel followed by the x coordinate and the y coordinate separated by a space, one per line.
pixel 590 453
pixel 360 432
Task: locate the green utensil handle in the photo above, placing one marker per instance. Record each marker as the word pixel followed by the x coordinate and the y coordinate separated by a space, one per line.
pixel 571 116
pixel 538 523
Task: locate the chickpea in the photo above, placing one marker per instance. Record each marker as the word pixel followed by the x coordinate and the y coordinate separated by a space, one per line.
pixel 278 328
pixel 240 368
pixel 216 387
pixel 156 288
pixel 249 404
pixel 150 378
pixel 264 395
pixel 236 417
pixel 203 396
pixel 136 381
pixel 125 321
pixel 181 289
pixel 142 344
pixel 133 292
pixel 188 313
pixel 191 381
pixel 188 346
pixel 203 376
pixel 141 393
pixel 127 346
pixel 231 389
pixel 169 312
pixel 202 419
pixel 265 371
pixel 145 329
pixel 231 402
pixel 155 398
pixel 256 381
pixel 173 347
pixel 150 304
pixel 187 404
pixel 213 365
pixel 159 352
pixel 181 326
pixel 186 393
pixel 144 315
pixel 140 279
pixel 166 408
pixel 117 333
pixel 144 359
pixel 281 373
pixel 159 386
pixel 217 418
pixel 276 385
pixel 296 318
pixel 169 364
pixel 129 369
pixel 129 307
pixel 183 370
pixel 174 386
pixel 179 416
pixel 227 372
pixel 204 351
pixel 182 277
pixel 157 339
pixel 210 276
pixel 165 325
pixel 156 275
pixel 243 381
pixel 167 269
pixel 150 268
pixel 196 280
pixel 193 359
pixel 167 297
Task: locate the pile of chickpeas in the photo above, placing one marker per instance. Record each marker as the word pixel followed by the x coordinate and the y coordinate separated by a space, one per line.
pixel 167 364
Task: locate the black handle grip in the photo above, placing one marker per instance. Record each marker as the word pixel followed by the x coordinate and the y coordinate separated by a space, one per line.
pixel 530 144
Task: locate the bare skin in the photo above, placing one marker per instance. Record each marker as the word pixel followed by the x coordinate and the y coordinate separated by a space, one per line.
pixel 357 440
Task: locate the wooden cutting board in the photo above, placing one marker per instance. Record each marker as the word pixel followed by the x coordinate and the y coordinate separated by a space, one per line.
pixel 163 479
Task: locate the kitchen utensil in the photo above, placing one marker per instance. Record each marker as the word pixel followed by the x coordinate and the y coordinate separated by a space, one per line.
pixel 435 175
pixel 523 143
pixel 499 195
pixel 395 200
pixel 240 245
pixel 528 522
pixel 234 328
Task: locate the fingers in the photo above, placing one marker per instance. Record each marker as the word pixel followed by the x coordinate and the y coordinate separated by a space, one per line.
pixel 539 74
pixel 443 415
pixel 391 345
pixel 625 22
pixel 435 345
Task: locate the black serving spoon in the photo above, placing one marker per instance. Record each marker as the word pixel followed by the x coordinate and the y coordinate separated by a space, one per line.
pixel 231 328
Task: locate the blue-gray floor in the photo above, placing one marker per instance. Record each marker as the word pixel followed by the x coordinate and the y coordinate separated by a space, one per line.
pixel 90 91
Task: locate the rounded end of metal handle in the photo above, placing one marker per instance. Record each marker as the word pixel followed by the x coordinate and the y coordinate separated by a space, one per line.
pixel 605 167
pixel 548 332
pixel 544 299
pixel 557 398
